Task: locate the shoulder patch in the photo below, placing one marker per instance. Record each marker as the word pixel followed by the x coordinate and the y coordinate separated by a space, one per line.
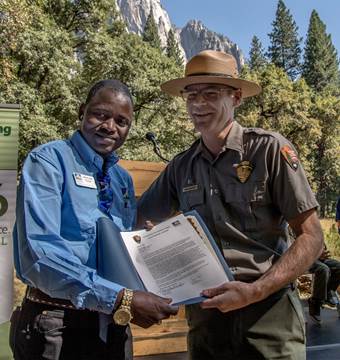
pixel 290 156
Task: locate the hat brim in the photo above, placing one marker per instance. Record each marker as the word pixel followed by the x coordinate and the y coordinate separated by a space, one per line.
pixel 175 86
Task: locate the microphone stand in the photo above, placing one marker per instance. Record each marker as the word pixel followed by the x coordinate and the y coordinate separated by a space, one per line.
pixel 150 136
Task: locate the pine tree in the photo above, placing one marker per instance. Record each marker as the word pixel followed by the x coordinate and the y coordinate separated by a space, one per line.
pixel 172 49
pixel 285 50
pixel 321 66
pixel 326 156
pixel 257 58
pixel 150 33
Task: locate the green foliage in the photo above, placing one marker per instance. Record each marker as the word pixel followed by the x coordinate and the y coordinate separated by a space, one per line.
pixel 326 157
pixel 83 16
pixel 53 51
pixel 39 70
pixel 150 34
pixel 332 240
pixel 257 58
pixel 321 66
pixel 284 50
pixel 172 48
pixel 309 121
pixel 284 107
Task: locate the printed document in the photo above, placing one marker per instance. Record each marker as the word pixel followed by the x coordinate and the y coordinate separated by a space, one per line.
pixel 175 259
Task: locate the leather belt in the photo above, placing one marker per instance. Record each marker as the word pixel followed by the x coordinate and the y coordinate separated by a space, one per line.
pixel 36 295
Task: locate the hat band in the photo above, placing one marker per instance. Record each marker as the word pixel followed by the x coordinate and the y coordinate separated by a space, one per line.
pixel 211 74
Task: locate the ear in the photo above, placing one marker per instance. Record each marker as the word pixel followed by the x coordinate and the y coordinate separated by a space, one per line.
pixel 237 99
pixel 81 112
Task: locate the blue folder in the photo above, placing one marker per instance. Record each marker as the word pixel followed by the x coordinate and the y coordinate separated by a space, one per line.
pixel 114 262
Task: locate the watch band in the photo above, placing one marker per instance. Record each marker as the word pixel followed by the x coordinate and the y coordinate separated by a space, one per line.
pixel 123 315
pixel 127 298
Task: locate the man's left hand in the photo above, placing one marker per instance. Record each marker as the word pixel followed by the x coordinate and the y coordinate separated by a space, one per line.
pixel 230 296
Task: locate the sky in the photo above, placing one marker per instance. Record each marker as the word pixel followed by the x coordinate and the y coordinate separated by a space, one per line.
pixel 240 20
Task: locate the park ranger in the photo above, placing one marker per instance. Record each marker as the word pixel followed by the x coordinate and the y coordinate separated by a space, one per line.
pixel 248 185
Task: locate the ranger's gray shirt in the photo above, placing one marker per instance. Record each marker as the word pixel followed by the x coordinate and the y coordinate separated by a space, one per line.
pixel 275 191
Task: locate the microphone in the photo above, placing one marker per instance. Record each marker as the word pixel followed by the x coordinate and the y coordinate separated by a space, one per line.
pixel 150 136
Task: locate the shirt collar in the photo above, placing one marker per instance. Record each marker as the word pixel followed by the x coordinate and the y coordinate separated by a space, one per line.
pixel 234 140
pixel 88 155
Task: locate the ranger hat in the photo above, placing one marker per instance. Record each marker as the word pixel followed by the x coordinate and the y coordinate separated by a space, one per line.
pixel 211 67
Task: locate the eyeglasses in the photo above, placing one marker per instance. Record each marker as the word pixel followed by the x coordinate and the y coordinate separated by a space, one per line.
pixel 208 94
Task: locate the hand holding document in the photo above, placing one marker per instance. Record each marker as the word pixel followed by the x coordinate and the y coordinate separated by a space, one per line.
pixel 177 259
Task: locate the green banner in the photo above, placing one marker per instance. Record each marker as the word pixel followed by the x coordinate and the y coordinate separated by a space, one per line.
pixel 9 124
pixel 9 136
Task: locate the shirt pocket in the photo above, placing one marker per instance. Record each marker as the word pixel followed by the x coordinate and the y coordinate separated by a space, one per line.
pixel 191 200
pixel 244 200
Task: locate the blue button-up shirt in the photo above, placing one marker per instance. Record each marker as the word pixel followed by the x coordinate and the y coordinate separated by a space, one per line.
pixel 55 232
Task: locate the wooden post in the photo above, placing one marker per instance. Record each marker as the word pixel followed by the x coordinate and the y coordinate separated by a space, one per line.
pixel 170 336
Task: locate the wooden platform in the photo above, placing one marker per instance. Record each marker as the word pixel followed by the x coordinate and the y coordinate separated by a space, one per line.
pixel 169 337
pixel 323 341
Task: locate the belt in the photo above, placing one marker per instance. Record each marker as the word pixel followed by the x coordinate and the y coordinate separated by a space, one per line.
pixel 36 295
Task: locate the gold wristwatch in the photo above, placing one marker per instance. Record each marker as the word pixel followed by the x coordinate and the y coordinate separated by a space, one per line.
pixel 123 315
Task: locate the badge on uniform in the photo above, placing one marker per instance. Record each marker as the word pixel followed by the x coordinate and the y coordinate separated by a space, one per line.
pixel 244 170
pixel 290 156
pixel 84 180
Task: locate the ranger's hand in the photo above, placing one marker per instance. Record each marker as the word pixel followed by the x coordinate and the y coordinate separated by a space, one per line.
pixel 148 309
pixel 148 225
pixel 230 296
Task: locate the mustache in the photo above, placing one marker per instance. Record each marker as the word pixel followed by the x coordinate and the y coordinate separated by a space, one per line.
pixel 109 135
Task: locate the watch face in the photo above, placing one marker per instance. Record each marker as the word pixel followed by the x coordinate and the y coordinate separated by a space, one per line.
pixel 122 317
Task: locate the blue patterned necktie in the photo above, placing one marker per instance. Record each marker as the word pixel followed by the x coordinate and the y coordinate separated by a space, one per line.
pixel 105 195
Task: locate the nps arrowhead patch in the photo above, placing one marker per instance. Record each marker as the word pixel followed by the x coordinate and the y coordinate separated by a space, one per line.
pixel 290 156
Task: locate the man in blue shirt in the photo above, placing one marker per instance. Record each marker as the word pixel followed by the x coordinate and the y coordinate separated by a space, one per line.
pixel 65 187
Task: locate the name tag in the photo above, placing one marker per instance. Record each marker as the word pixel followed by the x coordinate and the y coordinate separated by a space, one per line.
pixel 84 180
